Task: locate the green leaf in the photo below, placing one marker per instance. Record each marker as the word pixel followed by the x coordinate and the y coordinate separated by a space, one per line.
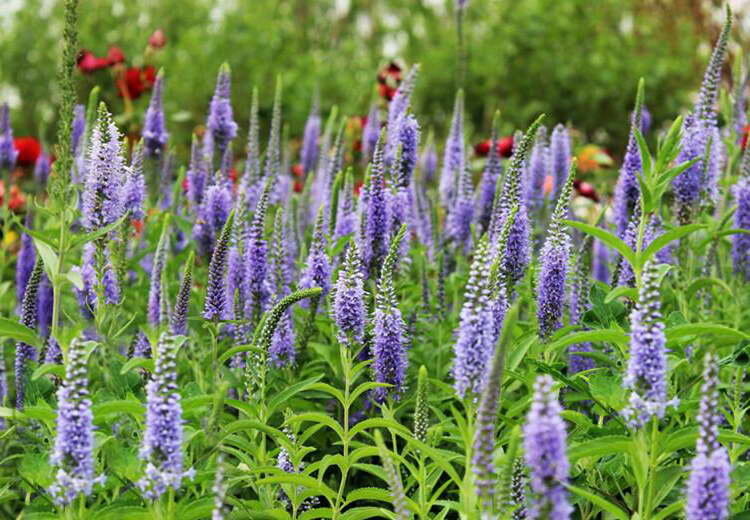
pixel 128 406
pixel 300 480
pixel 49 257
pixel 90 237
pixel 702 283
pixel 48 368
pixel 137 362
pixel 363 513
pixel 590 336
pixel 661 241
pixel 704 329
pixel 601 502
pixel 600 447
pixel 376 422
pixel 319 418
pixel 369 493
pixel 605 236
pixel 670 511
pixel 18 331
pixel 621 290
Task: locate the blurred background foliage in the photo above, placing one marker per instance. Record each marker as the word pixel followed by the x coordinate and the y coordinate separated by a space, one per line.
pixel 577 60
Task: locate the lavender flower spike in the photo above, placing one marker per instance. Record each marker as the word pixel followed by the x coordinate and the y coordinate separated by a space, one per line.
pixel 256 261
pixel 215 306
pixel 155 133
pixel 156 291
pixel 317 271
pixel 221 122
pixel 162 441
pixel 346 216
pixel 458 225
pixel 348 310
pixel 309 152
pixel 708 484
pixel 134 187
pixel 538 168
pixel 485 196
pixel 646 377
pixel 389 340
pixel 396 111
pixel 24 351
pixel 251 186
pixel 428 160
pixel 544 446
pixel 627 191
pixel 371 132
pixel 73 453
pixel 273 150
pixel 8 151
pixel 178 320
pixel 560 149
pixel 554 258
pixel 741 241
pixel 518 252
pixel 197 174
pixel 453 157
pixel 375 212
pixel 24 263
pixel 475 338
pixel 704 106
pixel 105 174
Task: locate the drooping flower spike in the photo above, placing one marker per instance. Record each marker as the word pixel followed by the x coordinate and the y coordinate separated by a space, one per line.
pixel 554 258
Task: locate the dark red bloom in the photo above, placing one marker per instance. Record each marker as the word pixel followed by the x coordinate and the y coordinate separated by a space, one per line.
pixel 88 63
pixel 584 189
pixel 136 81
pixel 185 184
pixel 504 147
pixel 115 55
pixel 386 92
pixel 138 226
pixel 297 170
pixel 745 132
pixel 233 174
pixel 157 40
pixel 389 78
pixel 358 187
pixel 298 187
pixel 28 150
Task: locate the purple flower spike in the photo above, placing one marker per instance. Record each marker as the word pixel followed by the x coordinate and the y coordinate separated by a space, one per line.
pixel 375 212
pixel 741 241
pixel 73 453
pixel 251 185
pixel 646 377
pixel 256 262
pixel 105 174
pixel 134 188
pixel 24 351
pixel 220 122
pixel 155 313
pixel 8 151
pixel 371 132
pixel 429 160
pixel 708 484
pixel 273 150
pixel 488 185
pixel 44 306
pixel 705 105
pixel 348 310
pixel 578 304
pixel 396 112
pixel 475 338
pixel 346 216
pixel 409 141
pixel 458 226
pixel 155 133
pixel 555 257
pixel 309 152
pixel 42 168
pixel 600 262
pixel 538 168
pixel 389 341
pixel 317 271
pixel 79 127
pixel 162 441
pixel 215 306
pixel 544 446
pixel 197 173
pixel 560 148
pixel 24 262
pixel 627 191
pixel 454 155
pixel 178 320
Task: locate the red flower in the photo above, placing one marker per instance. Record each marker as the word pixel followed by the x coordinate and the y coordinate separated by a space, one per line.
pixel 389 78
pixel 297 171
pixel 28 150
pixel 233 174
pixel 115 55
pixel 745 132
pixel 386 92
pixel 504 147
pixel 185 184
pixel 157 40
pixel 17 200
pixel 136 81
pixel 138 226
pixel 584 189
pixel 358 187
pixel 298 187
pixel 88 63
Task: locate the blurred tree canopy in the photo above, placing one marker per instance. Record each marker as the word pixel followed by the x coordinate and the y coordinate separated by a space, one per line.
pixel 575 60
